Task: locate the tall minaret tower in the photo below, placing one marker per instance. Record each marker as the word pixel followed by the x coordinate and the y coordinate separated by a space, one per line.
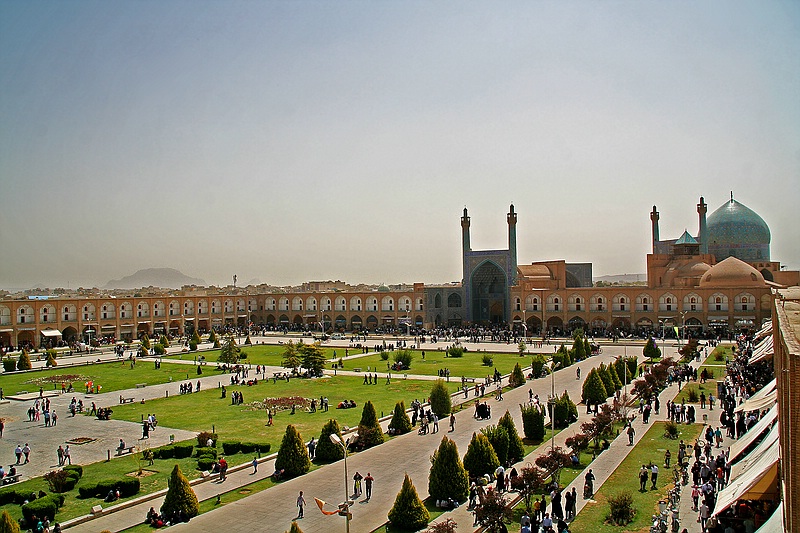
pixel 464 244
pixel 702 208
pixel 654 221
pixel 512 242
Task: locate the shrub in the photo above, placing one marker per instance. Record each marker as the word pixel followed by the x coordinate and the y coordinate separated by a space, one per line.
pixel 400 424
pixel 480 458
pixel 621 509
pixel 24 362
pixel 565 411
pixel 487 360
pixel 61 480
pixel 594 391
pixel 440 401
pixel 7 524
pixel 517 378
pixel 9 365
pixel 183 449
pixel 605 376
pixel 403 357
pixel 51 358
pixel 205 462
pixel 205 450
pixel 671 430
pixel 532 423
pixel 493 511
pixel 692 396
pixel 537 365
pixel 163 341
pixel 128 486
pixel 516 451
pixel 231 447
pixel 455 351
pixel 327 450
pixel 408 512
pixel 650 350
pixel 447 478
pixel 369 430
pixel 248 447
pixel 264 447
pixel 75 468
pixel 159 349
pixel 145 342
pixel 195 337
pixel 719 356
pixel 203 436
pixel 498 438
pixel 164 452
pixel 384 356
pixel 192 346
pixel 293 455
pixel 42 507
pixel 180 496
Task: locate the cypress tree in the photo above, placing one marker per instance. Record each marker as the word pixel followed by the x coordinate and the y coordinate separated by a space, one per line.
pixel 212 336
pixel 293 455
pixel 8 524
pixel 400 423
pixel 650 350
pixel 447 478
pixel 369 430
pixel 51 358
pixel 180 495
pixel 195 337
pixel 578 349
pixel 164 341
pixel 440 399
pixel 587 348
pixel 593 389
pixel 612 371
pixel 516 451
pixel 532 422
pixel 608 383
pixel 517 378
pixel 24 362
pixel 566 411
pixel 327 450
pixel 480 458
pixel 408 511
pixel 498 438
pixel 146 342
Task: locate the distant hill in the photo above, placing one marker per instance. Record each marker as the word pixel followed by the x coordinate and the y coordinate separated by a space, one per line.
pixel 621 279
pixel 167 278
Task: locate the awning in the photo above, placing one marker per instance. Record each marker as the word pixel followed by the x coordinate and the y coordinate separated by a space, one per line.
pixel 763 332
pixel 126 325
pixel 7 330
pixel 775 522
pixel 304 316
pixel 753 404
pixel 245 316
pixel 108 327
pixel 188 318
pixel 764 350
pixel 51 333
pixel 756 482
pixel 144 322
pixel 771 438
pixel 748 438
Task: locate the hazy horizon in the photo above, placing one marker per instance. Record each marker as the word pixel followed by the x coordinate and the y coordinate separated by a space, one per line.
pixel 298 141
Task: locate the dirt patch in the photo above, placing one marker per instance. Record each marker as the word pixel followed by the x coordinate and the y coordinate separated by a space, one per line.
pixel 81 440
pixel 143 473
pixel 245 491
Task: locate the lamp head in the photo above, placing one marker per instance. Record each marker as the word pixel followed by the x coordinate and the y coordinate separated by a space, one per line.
pixel 336 439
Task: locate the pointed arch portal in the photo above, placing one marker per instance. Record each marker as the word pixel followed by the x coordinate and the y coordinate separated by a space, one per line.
pixel 489 288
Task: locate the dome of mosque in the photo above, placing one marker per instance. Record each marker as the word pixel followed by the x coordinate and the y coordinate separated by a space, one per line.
pixel 383 288
pixel 732 272
pixel 738 231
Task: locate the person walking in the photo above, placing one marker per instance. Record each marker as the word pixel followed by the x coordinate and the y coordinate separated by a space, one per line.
pixel 357 483
pixel 67 455
pixel 631 433
pixel 301 502
pixel 312 446
pixel 643 474
pixel 255 465
pixel 452 422
pixel 653 476
pixel 18 453
pixel 26 450
pixel 60 453
pixel 368 484
pixel 435 423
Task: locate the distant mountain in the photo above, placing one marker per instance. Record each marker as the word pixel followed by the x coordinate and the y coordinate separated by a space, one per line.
pixel 167 278
pixel 621 279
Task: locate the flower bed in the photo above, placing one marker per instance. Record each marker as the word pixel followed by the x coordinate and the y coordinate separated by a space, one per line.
pixel 281 404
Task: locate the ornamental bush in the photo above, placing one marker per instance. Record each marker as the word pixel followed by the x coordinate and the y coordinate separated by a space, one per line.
pixel 487 360
pixel 455 351
pixel 400 424
pixel 403 357
pixel 163 341
pixel 516 451
pixel 537 365
pixel 369 429
pixel 532 422
pixel 205 462
pixel 408 512
pixel 447 477
pixel 650 350
pixel 498 438
pixel 566 412
pixel 293 455
pixel 605 376
pixel 46 506
pixel 203 436
pixel 24 362
pixel 7 524
pixel 440 399
pixel 480 458
pixel 51 358
pixel 231 447
pixel 9 365
pixel 159 349
pixel 180 496
pixel 612 370
pixel 327 450
pixel 594 392
pixel 517 378
pixel 621 510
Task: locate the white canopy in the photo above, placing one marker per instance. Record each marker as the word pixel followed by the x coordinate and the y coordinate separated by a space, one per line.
pixel 51 333
pixel 762 447
pixel 748 438
pixel 762 402
pixel 775 522
pixel 762 351
pixel 754 482
pixel 763 332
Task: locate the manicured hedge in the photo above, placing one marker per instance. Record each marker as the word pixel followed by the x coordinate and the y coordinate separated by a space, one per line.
pixel 205 450
pixel 231 447
pixel 75 468
pixel 183 449
pixel 41 507
pixel 205 462
pixel 13 496
pixel 234 447
pixel 128 486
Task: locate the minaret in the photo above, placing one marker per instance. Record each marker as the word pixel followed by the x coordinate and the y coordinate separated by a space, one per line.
pixel 702 208
pixel 654 220
pixel 464 243
pixel 512 242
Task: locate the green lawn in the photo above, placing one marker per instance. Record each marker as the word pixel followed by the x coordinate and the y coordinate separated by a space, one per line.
pixel 116 375
pixel 650 448
pixel 201 411
pixel 470 365
pixel 257 354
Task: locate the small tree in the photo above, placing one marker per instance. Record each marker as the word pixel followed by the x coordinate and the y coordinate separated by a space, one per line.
pixel 455 351
pixel 447 478
pixel 51 358
pixel 404 358
pixel 578 349
pixel 369 430
pixel 517 378
pixel 521 348
pixel 440 399
pixel 145 342
pixel 230 352
pixel 480 458
pixel 408 512
pixel 553 462
pixel 587 347
pixel 578 443
pixel 516 451
pixel 532 422
pixel 612 371
pixel 212 336
pixel 195 337
pixel 295 528
pixel 291 357
pixel 400 424
pixel 594 392
pixel 164 341
pixel 530 482
pixel 8 524
pixel 327 450
pixel 292 456
pixel 600 426
pixel 498 438
pixel 537 365
pixel 247 341
pixel 180 496
pixel 24 362
pixel 448 525
pixel 605 376
pixel 650 350
pixel 313 358
pixel 621 510
pixel 493 512
pixel 565 411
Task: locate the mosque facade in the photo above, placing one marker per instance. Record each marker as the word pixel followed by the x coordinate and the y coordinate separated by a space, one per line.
pixel 715 282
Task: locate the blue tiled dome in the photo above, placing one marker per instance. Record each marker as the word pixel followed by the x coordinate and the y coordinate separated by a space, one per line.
pixel 734 230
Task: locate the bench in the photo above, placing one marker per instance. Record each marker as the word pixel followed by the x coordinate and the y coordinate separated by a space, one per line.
pixel 126 400
pixel 468 380
pixel 357 369
pixel 123 451
pixel 141 385
pixel 11 479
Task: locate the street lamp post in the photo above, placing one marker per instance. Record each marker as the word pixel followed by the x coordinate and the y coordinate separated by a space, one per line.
pixel 552 368
pixel 336 439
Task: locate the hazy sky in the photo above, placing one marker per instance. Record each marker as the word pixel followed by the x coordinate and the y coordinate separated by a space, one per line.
pixel 293 141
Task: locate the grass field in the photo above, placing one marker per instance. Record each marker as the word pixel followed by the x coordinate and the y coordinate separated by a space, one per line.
pixel 198 412
pixel 257 354
pixel 650 448
pixel 116 375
